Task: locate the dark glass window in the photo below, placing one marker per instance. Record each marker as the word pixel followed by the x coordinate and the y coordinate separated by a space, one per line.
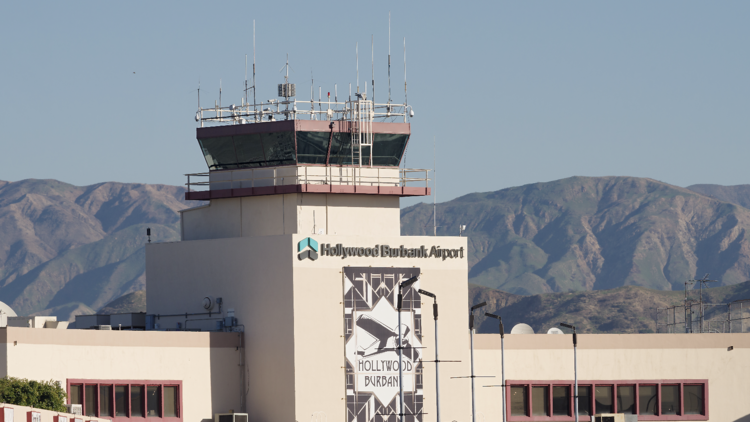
pixel 626 399
pixel 387 149
pixel 584 400
pixel 561 401
pixel 540 401
pixel 647 399
pixel 121 400
pixel 136 401
pixel 278 148
pixel 105 400
pixel 152 401
pixel 90 401
pixel 249 150
pixel 171 403
pixel 312 147
pixel 219 152
pixel 693 399
pixel 341 149
pixel 670 399
pixel 604 399
pixel 518 401
pixel 75 394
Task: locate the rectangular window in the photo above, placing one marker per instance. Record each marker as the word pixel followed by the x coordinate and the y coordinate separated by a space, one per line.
pixel 693 399
pixel 561 401
pixel 136 401
pixel 584 400
pixel 152 401
pixel 171 402
pixel 90 400
pixel 604 399
pixel 121 400
pixel 670 399
pixel 647 399
pixel 626 399
pixel 540 401
pixel 105 400
pixel 518 401
pixel 75 394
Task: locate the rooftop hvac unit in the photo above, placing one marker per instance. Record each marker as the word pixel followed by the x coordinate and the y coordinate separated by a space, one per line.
pixel 230 417
pixel 60 418
pixel 75 409
pixel 7 414
pixel 609 417
pixel 104 327
pixel 32 416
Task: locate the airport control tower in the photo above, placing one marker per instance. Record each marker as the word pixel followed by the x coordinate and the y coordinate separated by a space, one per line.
pixel 295 241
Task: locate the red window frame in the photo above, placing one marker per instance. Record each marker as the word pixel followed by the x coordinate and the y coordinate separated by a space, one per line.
pixel 144 401
pixel 681 416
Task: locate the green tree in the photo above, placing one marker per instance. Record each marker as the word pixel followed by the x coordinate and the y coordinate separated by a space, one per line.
pixel 41 395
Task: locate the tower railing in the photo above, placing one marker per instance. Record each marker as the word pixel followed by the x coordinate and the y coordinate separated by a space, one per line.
pixel 280 176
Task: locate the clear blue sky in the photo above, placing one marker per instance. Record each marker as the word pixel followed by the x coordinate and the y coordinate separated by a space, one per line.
pixel 514 92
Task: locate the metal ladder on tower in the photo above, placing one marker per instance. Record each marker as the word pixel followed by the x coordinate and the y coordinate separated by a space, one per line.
pixel 361 119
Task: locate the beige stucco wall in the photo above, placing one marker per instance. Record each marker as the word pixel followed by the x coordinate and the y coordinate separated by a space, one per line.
pixel 303 213
pixel 621 357
pixel 292 313
pixel 206 363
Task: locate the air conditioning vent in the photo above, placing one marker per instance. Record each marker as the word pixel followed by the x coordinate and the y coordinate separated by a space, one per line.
pixel 230 417
pixel 609 417
pixel 75 409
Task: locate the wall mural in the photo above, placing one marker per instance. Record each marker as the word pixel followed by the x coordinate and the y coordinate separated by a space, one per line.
pixel 371 332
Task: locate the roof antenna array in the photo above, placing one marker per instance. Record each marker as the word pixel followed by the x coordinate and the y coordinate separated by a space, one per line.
pixel 389 58
pixel 405 101
pixel 372 47
pixel 356 51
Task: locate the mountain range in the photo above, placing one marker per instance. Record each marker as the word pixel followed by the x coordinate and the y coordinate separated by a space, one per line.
pixel 596 233
pixel 67 250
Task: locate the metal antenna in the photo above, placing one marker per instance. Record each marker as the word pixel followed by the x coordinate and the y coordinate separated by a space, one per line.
pixel 245 78
pixel 335 93
pixel 312 96
pixel 356 51
pixel 372 47
pixel 389 57
pixel 434 185
pixel 199 93
pixel 405 101
pixel 255 110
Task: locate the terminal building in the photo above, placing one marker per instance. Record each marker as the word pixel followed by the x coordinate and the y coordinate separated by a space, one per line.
pixel 281 302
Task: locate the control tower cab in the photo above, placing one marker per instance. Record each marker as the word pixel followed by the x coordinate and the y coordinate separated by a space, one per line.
pixel 297 230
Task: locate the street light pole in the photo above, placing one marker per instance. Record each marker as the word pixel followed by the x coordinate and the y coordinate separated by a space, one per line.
pixel 437 361
pixel 471 334
pixel 575 364
pixel 502 360
pixel 401 286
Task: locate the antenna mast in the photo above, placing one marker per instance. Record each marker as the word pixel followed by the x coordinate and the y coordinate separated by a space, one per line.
pixel 389 58
pixel 356 51
pixel 434 184
pixel 245 78
pixel 405 101
pixel 372 47
pixel 255 109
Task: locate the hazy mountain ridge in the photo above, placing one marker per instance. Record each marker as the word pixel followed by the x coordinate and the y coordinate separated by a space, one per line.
pixel 585 233
pixel 737 194
pixel 629 309
pixel 69 249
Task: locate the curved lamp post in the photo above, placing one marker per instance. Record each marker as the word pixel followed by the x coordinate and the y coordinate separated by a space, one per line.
pixel 575 364
pixel 502 360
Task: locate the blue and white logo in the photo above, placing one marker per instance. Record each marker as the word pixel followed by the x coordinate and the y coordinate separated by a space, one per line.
pixel 304 252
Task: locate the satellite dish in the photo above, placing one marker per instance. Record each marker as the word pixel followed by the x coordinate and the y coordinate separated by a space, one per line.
pixel 555 330
pixel 522 329
pixel 208 303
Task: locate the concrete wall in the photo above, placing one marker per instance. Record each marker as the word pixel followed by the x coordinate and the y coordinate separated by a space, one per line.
pixel 293 317
pixel 206 363
pixel 621 357
pixel 303 213
pixel 253 276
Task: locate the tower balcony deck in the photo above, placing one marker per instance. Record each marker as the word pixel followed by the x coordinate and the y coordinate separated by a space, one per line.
pixel 307 179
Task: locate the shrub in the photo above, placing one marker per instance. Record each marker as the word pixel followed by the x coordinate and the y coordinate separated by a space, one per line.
pixel 41 395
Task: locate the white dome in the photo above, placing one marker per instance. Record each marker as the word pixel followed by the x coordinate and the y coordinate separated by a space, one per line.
pixel 5 309
pixel 522 329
